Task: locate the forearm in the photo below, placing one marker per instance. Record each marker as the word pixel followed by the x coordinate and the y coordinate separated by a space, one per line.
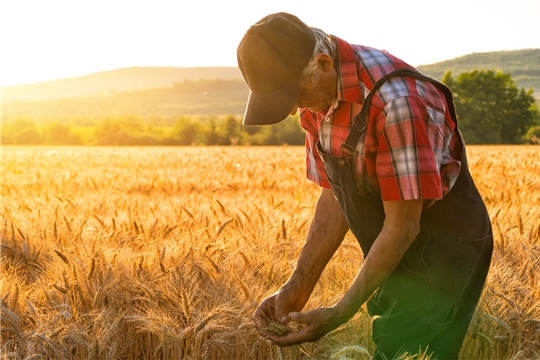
pixel 396 236
pixel 401 226
pixel 325 235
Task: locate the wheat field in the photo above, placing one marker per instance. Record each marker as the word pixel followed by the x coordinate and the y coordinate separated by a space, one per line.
pixel 164 253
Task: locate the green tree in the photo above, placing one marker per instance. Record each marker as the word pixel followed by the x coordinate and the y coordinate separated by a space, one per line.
pixel 126 130
pixel 232 130
pixel 187 132
pixel 533 135
pixel 61 134
pixel 286 132
pixel 110 131
pixel 29 137
pixel 290 132
pixel 490 107
pixel 212 133
pixel 22 131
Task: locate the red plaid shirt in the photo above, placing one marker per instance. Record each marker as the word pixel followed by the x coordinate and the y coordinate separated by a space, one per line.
pixel 410 149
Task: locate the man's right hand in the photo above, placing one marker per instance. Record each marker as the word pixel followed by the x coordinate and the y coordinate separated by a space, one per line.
pixel 290 298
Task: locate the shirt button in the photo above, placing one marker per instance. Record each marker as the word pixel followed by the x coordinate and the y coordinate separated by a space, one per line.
pixel 327 119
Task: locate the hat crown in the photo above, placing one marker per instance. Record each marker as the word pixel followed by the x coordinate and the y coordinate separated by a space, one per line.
pixel 274 52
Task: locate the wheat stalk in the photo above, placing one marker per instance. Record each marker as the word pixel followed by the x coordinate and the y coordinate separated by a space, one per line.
pixel 124 275
pixel 200 326
pixel 222 227
pixel 63 257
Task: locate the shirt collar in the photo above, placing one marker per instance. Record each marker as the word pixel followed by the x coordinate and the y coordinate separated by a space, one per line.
pixel 348 71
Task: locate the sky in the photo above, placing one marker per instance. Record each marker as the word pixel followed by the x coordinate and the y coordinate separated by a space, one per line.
pixel 51 39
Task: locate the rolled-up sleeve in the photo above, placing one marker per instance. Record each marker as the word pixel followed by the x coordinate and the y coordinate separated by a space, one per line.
pixel 407 164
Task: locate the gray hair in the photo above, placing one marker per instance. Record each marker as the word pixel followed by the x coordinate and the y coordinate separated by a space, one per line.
pixel 324 45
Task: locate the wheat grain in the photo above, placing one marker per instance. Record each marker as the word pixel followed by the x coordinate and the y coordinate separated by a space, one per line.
pixel 281 356
pixel 246 260
pixel 185 303
pixel 50 348
pixel 22 234
pixel 12 233
pixel 103 226
pixel 273 327
pixel 168 231
pixel 200 326
pixel 354 351
pixel 11 319
pixel 55 231
pixel 214 265
pixel 3 300
pixel 63 257
pixel 68 225
pixel 221 227
pixel 92 268
pixel 245 290
pixel 188 212
pixel 222 208
pixel 59 288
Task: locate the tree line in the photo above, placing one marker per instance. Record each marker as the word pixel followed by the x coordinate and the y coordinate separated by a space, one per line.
pixel 137 131
pixel 491 109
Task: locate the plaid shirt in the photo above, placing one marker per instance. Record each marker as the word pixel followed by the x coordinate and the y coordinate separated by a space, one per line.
pixel 410 149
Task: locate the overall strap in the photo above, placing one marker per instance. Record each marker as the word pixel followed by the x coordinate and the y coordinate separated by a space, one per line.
pixel 360 121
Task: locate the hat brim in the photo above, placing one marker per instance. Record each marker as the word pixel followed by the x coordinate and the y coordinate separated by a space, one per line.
pixel 272 108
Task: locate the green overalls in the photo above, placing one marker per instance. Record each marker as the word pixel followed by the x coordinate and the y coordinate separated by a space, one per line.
pixel 430 298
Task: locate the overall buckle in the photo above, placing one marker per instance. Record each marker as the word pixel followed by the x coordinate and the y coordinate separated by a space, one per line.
pixel 346 148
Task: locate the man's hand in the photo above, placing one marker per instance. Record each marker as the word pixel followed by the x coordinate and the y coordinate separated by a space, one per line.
pixel 312 326
pixel 290 298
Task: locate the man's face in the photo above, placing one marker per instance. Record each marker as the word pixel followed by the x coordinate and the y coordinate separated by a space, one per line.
pixel 319 96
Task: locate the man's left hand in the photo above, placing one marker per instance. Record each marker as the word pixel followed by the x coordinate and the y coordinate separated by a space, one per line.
pixel 313 325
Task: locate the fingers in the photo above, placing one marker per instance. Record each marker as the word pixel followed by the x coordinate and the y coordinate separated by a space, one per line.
pixel 313 325
pixel 283 305
pixel 289 339
pixel 305 334
pixel 262 314
pixel 281 311
pixel 265 312
pixel 301 318
pixel 293 337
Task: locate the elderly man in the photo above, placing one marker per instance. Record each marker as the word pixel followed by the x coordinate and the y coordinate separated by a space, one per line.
pixel 382 142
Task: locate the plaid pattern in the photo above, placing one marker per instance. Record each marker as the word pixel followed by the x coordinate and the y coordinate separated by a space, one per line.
pixel 410 149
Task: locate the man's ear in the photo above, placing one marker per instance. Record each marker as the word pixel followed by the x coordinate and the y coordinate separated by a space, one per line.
pixel 325 61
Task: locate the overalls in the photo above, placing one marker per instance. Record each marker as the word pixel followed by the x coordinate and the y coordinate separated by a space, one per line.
pixel 429 299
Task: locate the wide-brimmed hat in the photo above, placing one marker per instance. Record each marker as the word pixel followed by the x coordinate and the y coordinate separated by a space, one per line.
pixel 271 56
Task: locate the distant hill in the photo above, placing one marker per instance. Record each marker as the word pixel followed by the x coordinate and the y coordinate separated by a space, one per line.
pixel 522 65
pixel 169 91
pixel 106 82
pixel 201 97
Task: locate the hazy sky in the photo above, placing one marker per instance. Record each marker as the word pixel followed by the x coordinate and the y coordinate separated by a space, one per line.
pixel 51 39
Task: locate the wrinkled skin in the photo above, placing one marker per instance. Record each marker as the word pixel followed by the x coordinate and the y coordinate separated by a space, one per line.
pixel 314 325
pixel 284 306
pixel 290 298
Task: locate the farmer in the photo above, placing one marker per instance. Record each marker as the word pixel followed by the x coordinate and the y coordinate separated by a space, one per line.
pixel 382 142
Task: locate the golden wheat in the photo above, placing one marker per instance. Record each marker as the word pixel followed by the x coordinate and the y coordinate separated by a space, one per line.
pixel 144 253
